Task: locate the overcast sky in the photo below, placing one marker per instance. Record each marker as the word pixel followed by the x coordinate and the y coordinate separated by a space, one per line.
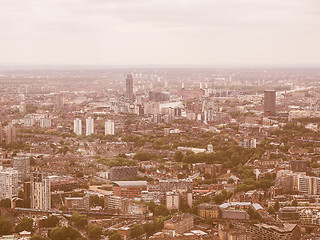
pixel 147 32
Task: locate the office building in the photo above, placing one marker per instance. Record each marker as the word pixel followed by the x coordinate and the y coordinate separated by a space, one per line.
pixel 129 88
pixel 40 191
pixel 89 126
pixel 109 127
pixel 8 183
pixel 77 126
pixel 269 103
pixel 129 189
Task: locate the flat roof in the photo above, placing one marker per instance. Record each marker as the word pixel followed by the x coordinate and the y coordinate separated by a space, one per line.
pixel 130 183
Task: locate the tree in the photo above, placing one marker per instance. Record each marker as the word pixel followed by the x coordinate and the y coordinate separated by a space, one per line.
pixel 230 181
pixel 115 236
pixel 32 161
pixel 271 210
pixel 6 203
pixel 79 220
pixel 38 237
pixel 142 156
pixel 161 210
pixel 25 224
pixel 178 156
pixel 65 233
pixel 5 226
pixel 149 228
pixel 94 232
pixel 52 221
pixel 276 206
pixel 294 202
pixel 137 231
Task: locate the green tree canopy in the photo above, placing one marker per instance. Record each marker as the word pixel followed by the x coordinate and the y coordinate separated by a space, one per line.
pixel 25 224
pixel 5 226
pixel 94 232
pixel 79 220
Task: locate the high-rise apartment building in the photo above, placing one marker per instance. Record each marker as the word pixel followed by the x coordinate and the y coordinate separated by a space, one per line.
pixel 22 165
pixel 89 126
pixel 45 122
pixel 269 103
pixel 77 126
pixel 1 133
pixel 58 101
pixel 129 88
pixel 109 127
pixel 10 133
pixel 40 191
pixel 8 183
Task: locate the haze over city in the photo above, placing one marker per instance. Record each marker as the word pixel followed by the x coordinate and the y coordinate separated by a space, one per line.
pixel 160 32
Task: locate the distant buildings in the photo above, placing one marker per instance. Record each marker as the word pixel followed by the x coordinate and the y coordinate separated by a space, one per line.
pixel 129 88
pixel 123 173
pixel 89 126
pixel 269 103
pixel 109 127
pixel 40 191
pixel 77 126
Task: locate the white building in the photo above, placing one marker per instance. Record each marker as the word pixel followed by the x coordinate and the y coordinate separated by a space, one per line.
pixel 45 122
pixel 8 183
pixel 109 127
pixel 40 191
pixel 77 126
pixel 89 126
pixel 172 200
pixel 28 121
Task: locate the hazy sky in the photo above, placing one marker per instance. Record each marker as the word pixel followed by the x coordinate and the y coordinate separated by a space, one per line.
pixel 182 32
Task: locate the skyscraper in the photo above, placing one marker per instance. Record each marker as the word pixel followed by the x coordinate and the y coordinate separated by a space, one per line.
pixel 129 88
pixel 77 126
pixel 89 126
pixel 109 127
pixel 40 191
pixel 269 103
pixel 58 101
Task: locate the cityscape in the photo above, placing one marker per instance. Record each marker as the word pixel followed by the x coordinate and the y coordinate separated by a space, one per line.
pixel 160 120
